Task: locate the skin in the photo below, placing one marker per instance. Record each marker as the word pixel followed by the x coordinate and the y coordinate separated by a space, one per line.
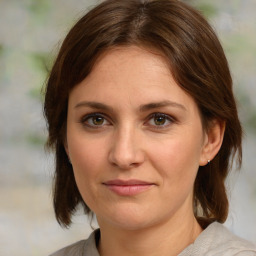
pixel 128 140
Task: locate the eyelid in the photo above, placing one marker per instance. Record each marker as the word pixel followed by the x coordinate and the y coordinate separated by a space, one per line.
pixel 85 117
pixel 170 118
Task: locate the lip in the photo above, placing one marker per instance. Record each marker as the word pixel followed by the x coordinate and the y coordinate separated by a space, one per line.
pixel 128 187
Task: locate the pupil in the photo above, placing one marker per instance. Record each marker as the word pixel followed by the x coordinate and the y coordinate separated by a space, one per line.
pixel 159 120
pixel 98 120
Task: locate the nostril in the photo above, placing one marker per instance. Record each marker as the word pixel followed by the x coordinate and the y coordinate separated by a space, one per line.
pixel 126 161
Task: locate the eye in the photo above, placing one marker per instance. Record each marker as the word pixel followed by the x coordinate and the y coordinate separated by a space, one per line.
pixel 94 120
pixel 160 119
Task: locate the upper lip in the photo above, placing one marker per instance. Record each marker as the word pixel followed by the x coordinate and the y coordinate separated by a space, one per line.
pixel 118 182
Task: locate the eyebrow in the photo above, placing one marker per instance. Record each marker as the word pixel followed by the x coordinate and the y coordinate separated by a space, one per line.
pixel 142 108
pixel 95 105
pixel 161 104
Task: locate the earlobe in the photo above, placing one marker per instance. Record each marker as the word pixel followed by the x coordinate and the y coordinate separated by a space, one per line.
pixel 213 141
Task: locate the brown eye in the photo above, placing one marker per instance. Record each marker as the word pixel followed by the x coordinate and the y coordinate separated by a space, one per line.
pixel 159 120
pixel 98 120
pixel 95 121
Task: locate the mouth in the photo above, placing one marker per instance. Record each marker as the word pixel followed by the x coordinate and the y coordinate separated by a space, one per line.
pixel 128 187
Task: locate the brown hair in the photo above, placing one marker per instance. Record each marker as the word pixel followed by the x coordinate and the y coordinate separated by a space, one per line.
pixel 197 62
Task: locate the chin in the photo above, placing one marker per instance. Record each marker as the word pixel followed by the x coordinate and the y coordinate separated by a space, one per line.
pixel 130 218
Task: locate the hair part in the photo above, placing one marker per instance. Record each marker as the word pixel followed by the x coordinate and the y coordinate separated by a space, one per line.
pixel 197 63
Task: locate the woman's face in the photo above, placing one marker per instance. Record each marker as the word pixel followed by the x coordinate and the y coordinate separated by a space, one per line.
pixel 135 140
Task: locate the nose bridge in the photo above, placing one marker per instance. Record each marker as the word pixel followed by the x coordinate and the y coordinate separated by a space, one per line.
pixel 126 149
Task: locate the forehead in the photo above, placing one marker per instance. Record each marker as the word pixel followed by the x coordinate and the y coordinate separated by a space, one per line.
pixel 132 53
pixel 131 74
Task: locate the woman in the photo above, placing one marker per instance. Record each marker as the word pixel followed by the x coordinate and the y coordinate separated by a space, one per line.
pixel 142 118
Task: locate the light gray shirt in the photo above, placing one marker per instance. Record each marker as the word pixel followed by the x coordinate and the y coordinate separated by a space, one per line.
pixel 215 240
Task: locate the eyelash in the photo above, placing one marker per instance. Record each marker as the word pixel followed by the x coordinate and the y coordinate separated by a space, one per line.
pixel 85 119
pixel 167 118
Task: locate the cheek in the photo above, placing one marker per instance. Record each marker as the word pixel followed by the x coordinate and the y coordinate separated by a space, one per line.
pixel 177 159
pixel 85 151
pixel 83 155
pixel 87 160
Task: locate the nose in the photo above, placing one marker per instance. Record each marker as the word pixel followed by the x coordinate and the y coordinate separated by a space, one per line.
pixel 126 150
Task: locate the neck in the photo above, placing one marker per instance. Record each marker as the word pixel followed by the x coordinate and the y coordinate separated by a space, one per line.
pixel 170 239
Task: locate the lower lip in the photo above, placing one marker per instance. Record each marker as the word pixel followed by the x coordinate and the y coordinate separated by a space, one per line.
pixel 129 190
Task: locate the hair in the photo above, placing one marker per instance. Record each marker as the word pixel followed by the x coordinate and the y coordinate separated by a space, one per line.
pixel 197 62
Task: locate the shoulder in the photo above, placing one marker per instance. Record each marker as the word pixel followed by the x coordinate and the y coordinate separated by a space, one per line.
pixel 217 240
pixel 226 243
pixel 83 247
pixel 73 249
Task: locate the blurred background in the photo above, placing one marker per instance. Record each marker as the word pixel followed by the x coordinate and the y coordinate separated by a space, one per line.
pixel 31 32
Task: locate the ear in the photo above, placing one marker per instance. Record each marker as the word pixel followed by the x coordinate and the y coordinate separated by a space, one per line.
pixel 212 141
